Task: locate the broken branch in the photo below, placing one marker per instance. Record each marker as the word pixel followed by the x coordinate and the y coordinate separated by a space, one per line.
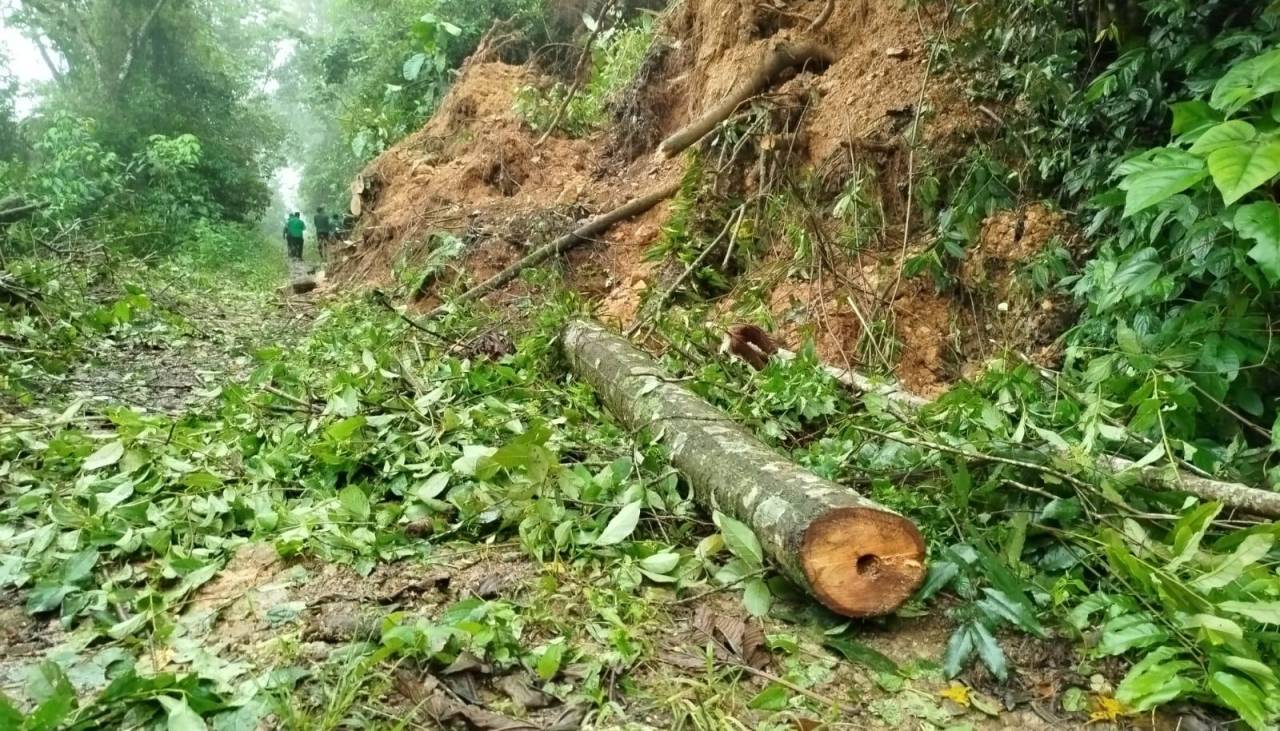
pixel 591 229
pixel 785 56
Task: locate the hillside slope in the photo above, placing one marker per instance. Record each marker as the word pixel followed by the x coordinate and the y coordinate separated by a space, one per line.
pixel 878 117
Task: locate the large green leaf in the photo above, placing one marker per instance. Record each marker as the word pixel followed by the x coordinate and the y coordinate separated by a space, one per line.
pixel 1223 135
pixel 1242 696
pixel 1190 117
pixel 1166 173
pixel 1240 168
pixel 1247 82
pixel 413 66
pixel 1260 223
pixel 1266 612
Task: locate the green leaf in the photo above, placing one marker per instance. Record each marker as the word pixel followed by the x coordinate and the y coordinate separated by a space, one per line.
pixel 1223 135
pixel 1264 612
pixel 106 456
pixel 355 502
pixel 1018 613
pixel 433 486
pixel 621 526
pixel 1247 82
pixel 773 698
pixel 855 651
pixel 181 717
pixel 55 697
pixel 10 716
pixel 1155 680
pixel 1217 630
pixel 1169 172
pixel 1128 631
pixel 1260 672
pixel 1238 169
pixel 941 573
pixel 990 652
pixel 127 627
pixel 550 660
pixel 959 650
pixel 757 598
pixel 343 430
pixel 79 565
pixel 660 563
pixel 1190 531
pixel 1230 568
pixel 413 66
pixel 1242 696
pixel 740 539
pixel 1193 115
pixel 1260 222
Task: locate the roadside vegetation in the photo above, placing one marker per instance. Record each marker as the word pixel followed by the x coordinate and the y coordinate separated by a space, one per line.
pixel 223 506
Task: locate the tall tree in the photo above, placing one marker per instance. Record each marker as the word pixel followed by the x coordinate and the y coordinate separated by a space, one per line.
pixel 164 67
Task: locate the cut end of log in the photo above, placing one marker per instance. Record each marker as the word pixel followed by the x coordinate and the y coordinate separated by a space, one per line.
pixel 863 562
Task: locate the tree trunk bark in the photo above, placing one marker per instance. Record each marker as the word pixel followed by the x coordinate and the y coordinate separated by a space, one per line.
pixel 856 557
pixel 784 57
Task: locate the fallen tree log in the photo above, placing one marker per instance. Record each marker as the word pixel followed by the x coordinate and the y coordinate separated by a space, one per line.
pixel 856 557
pixel 1232 495
pixel 587 231
pixel 783 58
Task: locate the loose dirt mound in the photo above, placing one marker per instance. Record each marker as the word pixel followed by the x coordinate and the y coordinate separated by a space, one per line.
pixel 476 171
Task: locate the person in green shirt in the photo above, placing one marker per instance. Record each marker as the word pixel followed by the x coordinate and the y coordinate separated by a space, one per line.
pixel 294 229
pixel 324 233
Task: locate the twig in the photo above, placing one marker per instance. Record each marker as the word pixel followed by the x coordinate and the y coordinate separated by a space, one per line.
pixel 731 225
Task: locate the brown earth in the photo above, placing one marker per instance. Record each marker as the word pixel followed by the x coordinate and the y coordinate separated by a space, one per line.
pixel 476 170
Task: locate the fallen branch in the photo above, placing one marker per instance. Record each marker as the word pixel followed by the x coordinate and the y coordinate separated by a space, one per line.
pixel 1233 495
pixel 783 58
pixel 591 229
pixel 856 557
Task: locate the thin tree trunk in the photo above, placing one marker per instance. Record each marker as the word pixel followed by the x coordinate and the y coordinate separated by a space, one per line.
pixel 127 65
pixel 856 557
pixel 784 57
pixel 591 229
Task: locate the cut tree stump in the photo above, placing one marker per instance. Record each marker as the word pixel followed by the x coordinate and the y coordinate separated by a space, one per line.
pixel 858 558
pixel 783 58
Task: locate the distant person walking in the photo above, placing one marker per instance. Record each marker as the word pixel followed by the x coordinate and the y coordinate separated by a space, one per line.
pixel 324 233
pixel 294 228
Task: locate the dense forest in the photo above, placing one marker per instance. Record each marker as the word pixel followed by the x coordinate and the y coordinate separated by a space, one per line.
pixel 631 364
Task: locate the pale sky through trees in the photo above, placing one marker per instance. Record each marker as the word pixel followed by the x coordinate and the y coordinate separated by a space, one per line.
pixel 24 63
